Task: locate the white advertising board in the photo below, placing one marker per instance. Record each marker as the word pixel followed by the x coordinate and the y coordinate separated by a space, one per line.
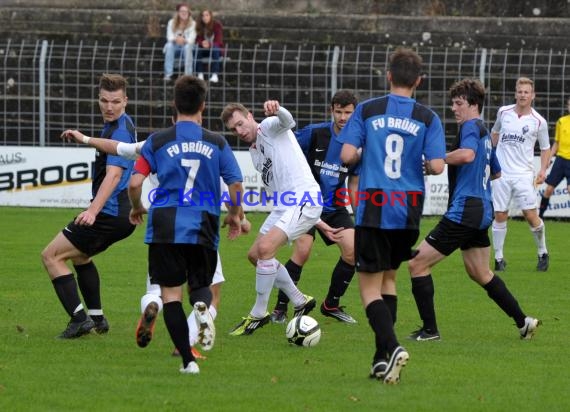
pixel 61 177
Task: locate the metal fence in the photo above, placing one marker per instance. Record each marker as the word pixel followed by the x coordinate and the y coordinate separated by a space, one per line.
pixel 48 87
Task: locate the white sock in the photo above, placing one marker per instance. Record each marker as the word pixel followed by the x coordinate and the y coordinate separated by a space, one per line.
pixel 149 298
pixel 286 284
pixel 265 274
pixel 152 295
pixel 539 234
pixel 193 325
pixel 499 235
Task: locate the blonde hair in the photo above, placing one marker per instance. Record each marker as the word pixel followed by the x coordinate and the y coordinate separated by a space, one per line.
pixel 525 80
pixel 178 24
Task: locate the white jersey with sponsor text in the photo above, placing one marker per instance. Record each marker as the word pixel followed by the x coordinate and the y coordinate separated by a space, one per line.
pixel 517 138
pixel 280 160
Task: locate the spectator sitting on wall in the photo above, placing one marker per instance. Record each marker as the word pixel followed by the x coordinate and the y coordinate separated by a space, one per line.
pixel 210 43
pixel 180 39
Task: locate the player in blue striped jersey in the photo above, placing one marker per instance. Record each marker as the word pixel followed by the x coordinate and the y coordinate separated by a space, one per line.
pixel 103 223
pixel 183 222
pixel 395 134
pixel 470 213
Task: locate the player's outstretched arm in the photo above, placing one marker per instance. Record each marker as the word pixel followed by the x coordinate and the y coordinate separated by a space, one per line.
pixel 103 145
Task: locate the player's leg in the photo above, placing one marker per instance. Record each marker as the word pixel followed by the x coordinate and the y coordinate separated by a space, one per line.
pixel 151 305
pixel 105 231
pixel 389 294
pixel 545 200
pixel 476 263
pixel 525 194
pixel 372 246
pixel 501 189
pixel 294 223
pixel 168 266
pixel 438 244
pixel 54 258
pixel 557 173
pixel 215 289
pixel 343 271
pixel 294 266
pixel 263 252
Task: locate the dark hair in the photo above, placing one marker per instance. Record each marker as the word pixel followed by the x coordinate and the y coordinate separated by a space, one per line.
pixel 113 82
pixel 344 98
pixel 189 94
pixel 405 66
pixel 201 28
pixel 472 90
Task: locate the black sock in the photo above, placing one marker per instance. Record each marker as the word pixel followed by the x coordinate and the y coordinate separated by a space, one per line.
pixel 175 321
pixel 423 291
pixel 66 290
pixel 295 273
pixel 544 201
pixel 392 302
pixel 498 291
pixel 340 279
pixel 89 285
pixel 203 294
pixel 381 323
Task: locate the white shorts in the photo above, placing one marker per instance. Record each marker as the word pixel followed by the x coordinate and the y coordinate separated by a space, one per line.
pixel 218 274
pixel 521 189
pixel 294 221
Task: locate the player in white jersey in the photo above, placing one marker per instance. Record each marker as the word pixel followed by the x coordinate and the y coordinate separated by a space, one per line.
pixel 151 302
pixel 292 189
pixel 517 129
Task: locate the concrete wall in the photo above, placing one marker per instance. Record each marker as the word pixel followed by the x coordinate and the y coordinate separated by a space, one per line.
pixel 473 8
pixel 396 22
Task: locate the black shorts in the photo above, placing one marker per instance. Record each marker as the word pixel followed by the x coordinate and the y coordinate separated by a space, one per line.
pixel 338 218
pixel 447 236
pixel 378 250
pixel 560 170
pixel 173 264
pixel 94 239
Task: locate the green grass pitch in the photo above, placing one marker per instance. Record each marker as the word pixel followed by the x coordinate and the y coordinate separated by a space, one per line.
pixel 479 365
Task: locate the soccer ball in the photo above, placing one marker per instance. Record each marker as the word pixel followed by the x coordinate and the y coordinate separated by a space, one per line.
pixel 303 331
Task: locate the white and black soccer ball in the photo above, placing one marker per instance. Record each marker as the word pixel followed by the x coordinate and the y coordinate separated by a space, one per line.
pixel 303 331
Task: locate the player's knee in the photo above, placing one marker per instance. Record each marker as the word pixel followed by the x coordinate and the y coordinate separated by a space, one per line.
pixel 499 225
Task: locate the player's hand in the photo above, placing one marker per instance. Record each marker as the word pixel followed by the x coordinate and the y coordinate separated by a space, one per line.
pixel 332 233
pixel 245 226
pixel 136 215
pixel 234 223
pixel 72 136
pixel 85 218
pixel 271 107
pixel 540 177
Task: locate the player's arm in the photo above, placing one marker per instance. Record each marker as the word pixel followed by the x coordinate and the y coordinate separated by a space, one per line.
pixel 352 186
pixel 434 166
pixel 112 177
pixel 460 157
pixel 141 171
pixel 349 154
pixel 272 108
pixel 544 163
pixel 103 145
pixel 494 138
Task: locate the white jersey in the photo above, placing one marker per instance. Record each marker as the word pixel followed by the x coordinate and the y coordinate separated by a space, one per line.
pixel 517 138
pixel 277 155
